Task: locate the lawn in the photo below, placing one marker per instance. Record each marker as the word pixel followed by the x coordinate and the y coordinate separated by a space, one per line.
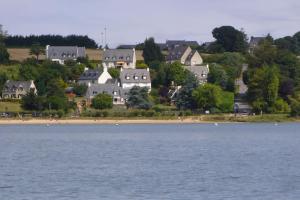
pixel 10 107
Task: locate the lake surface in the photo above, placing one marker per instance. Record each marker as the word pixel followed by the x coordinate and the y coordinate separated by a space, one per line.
pixel 184 162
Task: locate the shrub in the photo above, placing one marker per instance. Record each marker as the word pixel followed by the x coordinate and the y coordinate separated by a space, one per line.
pixel 102 101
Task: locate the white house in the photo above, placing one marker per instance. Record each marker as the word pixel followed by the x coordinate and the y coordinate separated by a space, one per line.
pixel 135 77
pixel 119 58
pixel 91 76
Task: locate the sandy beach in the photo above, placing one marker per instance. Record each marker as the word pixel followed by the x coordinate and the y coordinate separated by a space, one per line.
pixel 98 121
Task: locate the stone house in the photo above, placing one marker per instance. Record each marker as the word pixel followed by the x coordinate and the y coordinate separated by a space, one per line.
pixel 17 89
pixel 185 55
pixel 62 53
pixel 114 89
pixel 119 58
pixel 200 72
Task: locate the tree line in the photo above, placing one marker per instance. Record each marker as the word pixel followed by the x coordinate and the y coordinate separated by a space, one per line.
pixel 54 40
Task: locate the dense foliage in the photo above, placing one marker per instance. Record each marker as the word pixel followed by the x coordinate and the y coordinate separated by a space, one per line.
pixel 229 39
pixel 152 51
pixel 102 101
pixel 4 55
pixel 54 40
pixel 139 98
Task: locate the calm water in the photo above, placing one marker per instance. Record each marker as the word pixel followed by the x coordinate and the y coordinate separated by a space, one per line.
pixel 87 162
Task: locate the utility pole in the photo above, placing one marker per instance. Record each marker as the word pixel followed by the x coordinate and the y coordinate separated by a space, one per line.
pixel 105 39
pixel 102 45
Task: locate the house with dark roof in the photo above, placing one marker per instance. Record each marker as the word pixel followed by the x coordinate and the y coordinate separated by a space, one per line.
pixel 126 46
pixel 135 77
pixel 254 42
pixel 176 43
pixel 94 76
pixel 119 58
pixel 17 89
pixel 62 53
pixel 185 55
pixel 200 72
pixel 114 89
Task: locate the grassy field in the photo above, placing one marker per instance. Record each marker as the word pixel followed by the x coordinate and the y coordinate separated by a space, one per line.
pixel 20 54
pixel 10 107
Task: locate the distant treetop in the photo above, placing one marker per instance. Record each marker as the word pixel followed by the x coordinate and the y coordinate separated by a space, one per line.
pixel 53 40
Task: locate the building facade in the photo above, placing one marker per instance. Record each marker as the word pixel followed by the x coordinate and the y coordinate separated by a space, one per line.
pixel 62 53
pixel 17 89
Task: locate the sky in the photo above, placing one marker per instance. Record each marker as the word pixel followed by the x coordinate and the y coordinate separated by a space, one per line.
pixel 131 21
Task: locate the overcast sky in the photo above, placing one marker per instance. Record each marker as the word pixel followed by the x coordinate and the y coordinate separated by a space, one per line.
pixel 131 21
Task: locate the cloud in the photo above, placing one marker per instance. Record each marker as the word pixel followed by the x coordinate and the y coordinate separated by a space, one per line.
pixel 131 21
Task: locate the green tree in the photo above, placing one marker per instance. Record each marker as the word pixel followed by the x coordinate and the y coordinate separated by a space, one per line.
pixel 139 98
pixel 185 98
pixel 176 73
pixel 264 54
pixel 230 39
pixel 115 73
pixel 152 51
pixel 263 87
pixel 102 101
pixel 33 102
pixel 217 75
pixel 80 90
pixel 208 96
pixel 36 49
pixel 4 55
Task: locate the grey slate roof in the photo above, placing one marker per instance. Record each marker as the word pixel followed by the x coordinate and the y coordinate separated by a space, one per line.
pixel 90 74
pixel 254 41
pixel 176 53
pixel 13 85
pixel 200 72
pixel 126 46
pixel 112 89
pixel 115 55
pixel 135 76
pixel 174 43
pixel 65 52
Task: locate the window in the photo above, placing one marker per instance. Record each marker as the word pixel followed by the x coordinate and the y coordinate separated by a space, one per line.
pixel 135 77
pixel 121 57
pixel 115 100
pixel 115 93
pixel 144 77
pixel 127 77
pixel 128 58
pixel 114 58
pixel 94 92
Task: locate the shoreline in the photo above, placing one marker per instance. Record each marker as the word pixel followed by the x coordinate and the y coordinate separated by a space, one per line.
pixel 98 121
pixel 117 121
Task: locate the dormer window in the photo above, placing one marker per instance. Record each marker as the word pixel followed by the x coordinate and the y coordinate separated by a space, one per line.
pixel 106 58
pixel 94 92
pixel 127 77
pixel 144 77
pixel 128 58
pixel 135 77
pixel 115 93
pixel 73 55
pixel 121 57
pixel 114 58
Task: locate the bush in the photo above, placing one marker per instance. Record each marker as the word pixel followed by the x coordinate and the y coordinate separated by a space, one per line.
pixel 115 73
pixel 295 108
pixel 102 101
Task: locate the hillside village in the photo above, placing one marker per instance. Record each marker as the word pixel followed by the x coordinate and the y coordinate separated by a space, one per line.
pixel 178 77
